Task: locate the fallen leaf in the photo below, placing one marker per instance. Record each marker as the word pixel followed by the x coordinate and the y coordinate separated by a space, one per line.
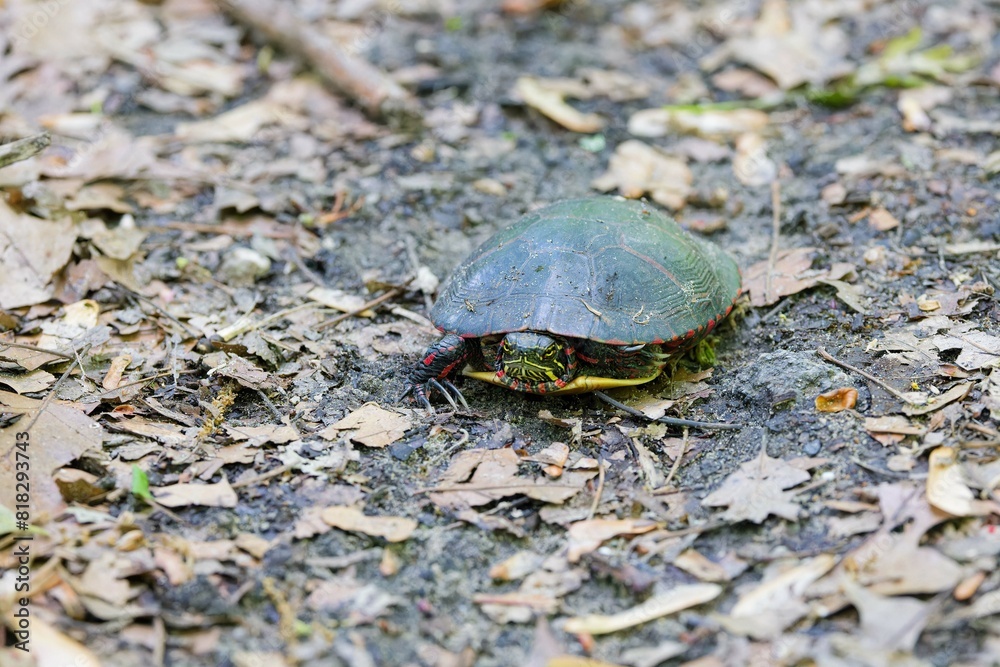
pixel 697 565
pixel 392 528
pixel 32 250
pixel 791 274
pixel 948 490
pixel 751 164
pixel 937 402
pixel 914 103
pixel 881 220
pixel 678 599
pixel 51 648
pixel 710 123
pixel 372 426
pixel 793 48
pixel 60 435
pixel 220 494
pixel 636 168
pixel 27 383
pixel 896 424
pixel 757 490
pixel 550 100
pixel 586 536
pixel 887 623
pixel 777 602
pixel 517 566
pixel 838 400
pixel 493 474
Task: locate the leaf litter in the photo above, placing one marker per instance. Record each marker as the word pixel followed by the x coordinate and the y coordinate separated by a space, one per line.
pixel 189 355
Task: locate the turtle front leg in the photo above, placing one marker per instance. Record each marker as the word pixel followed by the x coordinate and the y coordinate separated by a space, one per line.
pixel 439 361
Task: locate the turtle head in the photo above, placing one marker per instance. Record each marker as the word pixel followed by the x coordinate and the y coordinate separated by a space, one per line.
pixel 535 362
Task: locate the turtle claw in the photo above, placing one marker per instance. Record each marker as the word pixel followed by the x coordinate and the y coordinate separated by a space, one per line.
pixel 433 382
pixel 458 394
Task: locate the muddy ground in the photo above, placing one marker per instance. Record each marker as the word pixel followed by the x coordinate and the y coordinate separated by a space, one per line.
pixel 420 208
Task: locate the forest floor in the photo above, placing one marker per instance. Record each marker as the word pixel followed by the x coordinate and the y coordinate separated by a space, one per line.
pixel 217 278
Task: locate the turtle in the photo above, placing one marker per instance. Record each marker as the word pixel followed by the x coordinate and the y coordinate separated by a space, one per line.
pixel 580 295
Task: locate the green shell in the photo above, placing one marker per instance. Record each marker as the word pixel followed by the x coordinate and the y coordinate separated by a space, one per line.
pixel 603 268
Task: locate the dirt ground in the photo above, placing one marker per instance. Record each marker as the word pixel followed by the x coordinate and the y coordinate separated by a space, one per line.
pixel 197 490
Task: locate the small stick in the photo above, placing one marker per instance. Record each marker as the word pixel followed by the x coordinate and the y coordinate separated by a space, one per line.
pixel 263 477
pixel 673 421
pixel 22 149
pixel 677 462
pixel 395 291
pixel 601 474
pixel 775 235
pixel 843 364
pixel 357 78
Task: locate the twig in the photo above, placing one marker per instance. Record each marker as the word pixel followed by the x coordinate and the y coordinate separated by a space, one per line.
pixel 52 392
pixel 775 235
pixel 677 461
pixel 263 477
pixel 843 364
pixel 601 475
pixel 22 149
pixel 144 299
pixel 35 348
pixel 358 79
pixel 395 291
pixel 673 421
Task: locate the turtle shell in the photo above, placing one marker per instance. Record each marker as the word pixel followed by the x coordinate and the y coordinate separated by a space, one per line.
pixel 603 268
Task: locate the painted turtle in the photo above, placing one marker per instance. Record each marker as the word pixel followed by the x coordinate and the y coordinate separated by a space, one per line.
pixel 581 295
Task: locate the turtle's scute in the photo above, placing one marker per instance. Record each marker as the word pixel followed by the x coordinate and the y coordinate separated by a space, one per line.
pixel 604 269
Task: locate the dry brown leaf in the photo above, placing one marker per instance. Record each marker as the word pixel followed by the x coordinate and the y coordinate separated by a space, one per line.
pixel 793 48
pixel 517 566
pixel 748 83
pixel 550 100
pixel 51 648
pixel 766 610
pixel 32 250
pixel 896 424
pixel 636 168
pixel 26 383
pixel 220 494
pixel 660 122
pixel 751 164
pixel 838 400
pixel 586 536
pixel 480 476
pixel 887 623
pixel 697 565
pixel 757 490
pixel 372 426
pixel 881 220
pixel 340 300
pixel 658 606
pixel 256 436
pixel 61 434
pixel 241 123
pixel 947 487
pixel 791 275
pixel 914 103
pixel 392 528
pixel 896 565
pixel 957 392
